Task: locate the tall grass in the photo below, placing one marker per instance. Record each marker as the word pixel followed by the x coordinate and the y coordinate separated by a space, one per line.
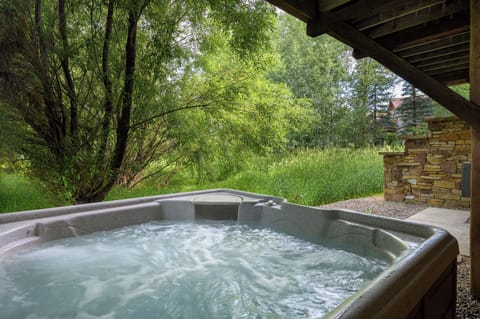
pixel 309 177
pixel 20 193
pixel 313 177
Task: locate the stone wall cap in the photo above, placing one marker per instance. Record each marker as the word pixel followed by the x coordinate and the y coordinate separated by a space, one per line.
pixel 391 153
pixel 443 119
pixel 413 137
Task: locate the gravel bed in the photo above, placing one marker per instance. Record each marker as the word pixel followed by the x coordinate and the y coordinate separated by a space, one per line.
pixel 467 307
pixel 376 205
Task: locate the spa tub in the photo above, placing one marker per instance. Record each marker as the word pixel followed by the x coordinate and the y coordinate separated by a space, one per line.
pixel 420 281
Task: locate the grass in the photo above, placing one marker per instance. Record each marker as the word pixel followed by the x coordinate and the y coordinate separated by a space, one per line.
pixel 313 177
pixel 309 177
pixel 17 193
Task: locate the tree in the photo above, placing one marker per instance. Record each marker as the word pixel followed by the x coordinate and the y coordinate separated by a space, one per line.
pixel 412 112
pixel 249 114
pixel 372 88
pixel 347 98
pixel 88 78
pixel 315 69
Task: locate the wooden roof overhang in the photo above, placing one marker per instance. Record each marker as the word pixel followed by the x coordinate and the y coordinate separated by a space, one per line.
pixel 426 42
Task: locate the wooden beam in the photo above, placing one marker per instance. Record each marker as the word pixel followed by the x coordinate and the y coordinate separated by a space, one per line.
pixel 417 18
pixel 327 5
pixel 453 40
pixel 357 54
pixel 450 67
pixel 458 105
pixel 457 49
pixel 454 78
pixel 419 35
pixel 465 55
pixel 395 10
pixel 322 22
pixel 475 171
pixel 423 33
pixel 304 10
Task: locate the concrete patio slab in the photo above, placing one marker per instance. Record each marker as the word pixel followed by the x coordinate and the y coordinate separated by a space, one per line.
pixel 456 222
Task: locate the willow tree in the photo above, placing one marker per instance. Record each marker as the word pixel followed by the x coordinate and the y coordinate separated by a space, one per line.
pixel 88 78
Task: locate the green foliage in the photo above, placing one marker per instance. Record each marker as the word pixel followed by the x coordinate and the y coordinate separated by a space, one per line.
pixel 92 87
pixel 313 177
pixel 392 139
pixel 372 89
pixel 315 69
pixel 210 94
pixel 309 177
pixel 244 113
pixel 412 112
pixel 11 159
pixel 440 111
pixel 348 99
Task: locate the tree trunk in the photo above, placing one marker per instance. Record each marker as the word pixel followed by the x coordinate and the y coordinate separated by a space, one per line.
pixel 124 121
pixel 123 127
pixel 64 61
pixel 56 123
pixel 107 83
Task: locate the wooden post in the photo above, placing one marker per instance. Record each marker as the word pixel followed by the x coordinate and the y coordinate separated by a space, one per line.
pixel 475 173
pixel 475 215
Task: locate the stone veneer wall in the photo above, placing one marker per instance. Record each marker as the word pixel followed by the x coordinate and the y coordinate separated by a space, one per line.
pixel 429 171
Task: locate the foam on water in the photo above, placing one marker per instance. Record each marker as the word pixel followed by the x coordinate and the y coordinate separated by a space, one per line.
pixel 161 270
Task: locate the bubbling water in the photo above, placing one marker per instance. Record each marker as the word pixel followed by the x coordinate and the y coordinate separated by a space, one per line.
pixel 181 270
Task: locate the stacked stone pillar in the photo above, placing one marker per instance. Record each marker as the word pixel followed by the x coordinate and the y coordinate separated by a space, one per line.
pixel 429 171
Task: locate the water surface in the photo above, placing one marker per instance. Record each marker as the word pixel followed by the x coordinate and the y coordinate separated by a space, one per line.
pixel 182 270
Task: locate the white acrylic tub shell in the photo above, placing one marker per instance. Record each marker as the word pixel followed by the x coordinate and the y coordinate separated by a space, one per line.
pixel 422 258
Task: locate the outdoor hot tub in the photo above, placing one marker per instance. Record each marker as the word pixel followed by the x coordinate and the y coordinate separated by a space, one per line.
pixel 409 270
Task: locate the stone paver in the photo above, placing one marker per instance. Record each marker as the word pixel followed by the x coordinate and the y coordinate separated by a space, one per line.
pixel 452 220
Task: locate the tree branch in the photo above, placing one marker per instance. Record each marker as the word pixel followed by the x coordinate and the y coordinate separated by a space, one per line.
pixel 123 127
pixel 62 26
pixel 107 83
pixel 55 124
pixel 38 27
pixel 156 172
pixel 156 116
